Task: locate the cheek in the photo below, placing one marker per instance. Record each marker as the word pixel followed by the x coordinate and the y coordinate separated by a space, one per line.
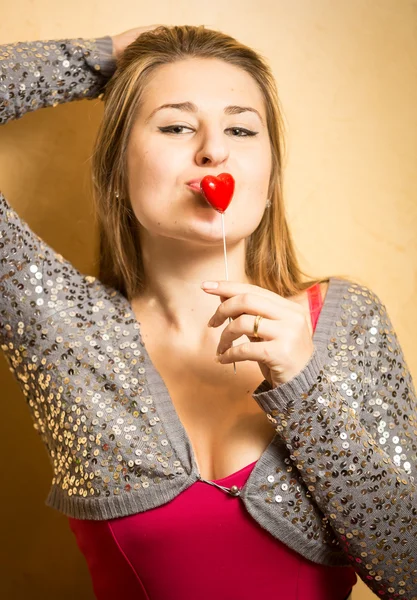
pixel 258 173
pixel 152 175
pixel 266 160
pixel 150 170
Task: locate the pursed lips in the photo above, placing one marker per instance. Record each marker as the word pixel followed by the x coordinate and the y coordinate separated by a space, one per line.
pixel 194 185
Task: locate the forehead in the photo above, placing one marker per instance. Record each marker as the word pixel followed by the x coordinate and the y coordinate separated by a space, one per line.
pixel 206 82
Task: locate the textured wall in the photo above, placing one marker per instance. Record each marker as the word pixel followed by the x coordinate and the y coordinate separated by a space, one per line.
pixel 346 73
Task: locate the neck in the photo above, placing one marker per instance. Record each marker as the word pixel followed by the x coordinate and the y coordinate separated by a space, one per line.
pixel 173 275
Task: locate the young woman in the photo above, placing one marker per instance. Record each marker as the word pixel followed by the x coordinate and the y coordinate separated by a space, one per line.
pixel 181 478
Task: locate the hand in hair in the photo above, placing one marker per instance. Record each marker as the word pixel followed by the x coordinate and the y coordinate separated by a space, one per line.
pixel 122 40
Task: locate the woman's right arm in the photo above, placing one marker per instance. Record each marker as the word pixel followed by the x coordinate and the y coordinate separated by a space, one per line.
pixel 46 73
pixel 36 281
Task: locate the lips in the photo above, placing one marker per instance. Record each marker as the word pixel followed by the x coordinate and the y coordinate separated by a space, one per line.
pixel 194 184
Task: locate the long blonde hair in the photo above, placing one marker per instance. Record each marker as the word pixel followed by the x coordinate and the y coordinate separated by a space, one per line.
pixel 271 260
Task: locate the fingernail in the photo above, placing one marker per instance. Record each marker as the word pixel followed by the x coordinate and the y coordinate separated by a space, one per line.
pixel 210 285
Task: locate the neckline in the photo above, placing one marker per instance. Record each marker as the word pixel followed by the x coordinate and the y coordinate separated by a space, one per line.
pixel 173 426
pixel 315 304
pixel 236 473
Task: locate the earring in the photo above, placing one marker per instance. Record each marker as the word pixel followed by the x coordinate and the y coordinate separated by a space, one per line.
pixel 268 203
pixel 116 193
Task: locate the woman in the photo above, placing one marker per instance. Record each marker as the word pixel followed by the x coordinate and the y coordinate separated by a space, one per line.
pixel 176 483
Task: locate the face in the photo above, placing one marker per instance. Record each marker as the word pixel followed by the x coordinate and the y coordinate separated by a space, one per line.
pixel 218 125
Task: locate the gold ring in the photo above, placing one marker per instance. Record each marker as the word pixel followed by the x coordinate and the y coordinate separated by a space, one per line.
pixel 256 325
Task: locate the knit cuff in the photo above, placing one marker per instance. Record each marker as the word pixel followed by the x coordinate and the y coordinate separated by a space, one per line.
pixel 105 56
pixel 270 398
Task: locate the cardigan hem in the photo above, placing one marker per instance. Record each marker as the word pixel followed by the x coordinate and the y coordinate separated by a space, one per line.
pixel 295 539
pixel 112 507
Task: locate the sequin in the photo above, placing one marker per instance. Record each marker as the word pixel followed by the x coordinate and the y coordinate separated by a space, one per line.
pixel 58 73
pixel 364 483
pixel 337 482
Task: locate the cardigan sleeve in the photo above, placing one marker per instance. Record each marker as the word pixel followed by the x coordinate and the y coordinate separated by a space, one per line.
pixel 35 283
pixel 46 73
pixel 357 452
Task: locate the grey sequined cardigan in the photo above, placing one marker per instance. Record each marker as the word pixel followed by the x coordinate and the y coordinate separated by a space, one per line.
pixel 337 482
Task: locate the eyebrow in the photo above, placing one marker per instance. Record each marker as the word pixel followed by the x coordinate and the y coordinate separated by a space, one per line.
pixel 191 107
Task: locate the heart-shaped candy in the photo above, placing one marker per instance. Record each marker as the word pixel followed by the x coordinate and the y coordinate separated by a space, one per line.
pixel 218 191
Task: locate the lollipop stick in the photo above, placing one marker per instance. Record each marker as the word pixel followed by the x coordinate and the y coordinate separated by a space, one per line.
pixel 227 272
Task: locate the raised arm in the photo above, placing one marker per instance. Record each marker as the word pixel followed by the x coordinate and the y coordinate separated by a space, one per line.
pixel 46 73
pixel 36 75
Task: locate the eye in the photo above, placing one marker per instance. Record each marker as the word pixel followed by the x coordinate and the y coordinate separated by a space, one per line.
pixel 241 132
pixel 174 129
pixel 179 129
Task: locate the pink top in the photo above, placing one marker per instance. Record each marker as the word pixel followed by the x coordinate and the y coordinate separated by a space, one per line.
pixel 203 544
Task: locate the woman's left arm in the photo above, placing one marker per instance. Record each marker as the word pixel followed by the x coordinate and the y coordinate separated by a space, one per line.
pixel 359 464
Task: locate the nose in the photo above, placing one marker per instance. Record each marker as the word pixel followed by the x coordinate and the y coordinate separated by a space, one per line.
pixel 213 149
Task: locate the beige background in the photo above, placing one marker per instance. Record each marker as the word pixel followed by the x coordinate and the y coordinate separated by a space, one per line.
pixel 346 73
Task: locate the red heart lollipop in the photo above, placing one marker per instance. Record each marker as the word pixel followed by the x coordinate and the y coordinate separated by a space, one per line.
pixel 218 191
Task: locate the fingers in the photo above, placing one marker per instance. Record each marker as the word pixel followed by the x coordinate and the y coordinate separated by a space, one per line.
pixel 228 289
pixel 122 40
pixel 260 352
pixel 252 305
pixel 243 325
pixel 136 31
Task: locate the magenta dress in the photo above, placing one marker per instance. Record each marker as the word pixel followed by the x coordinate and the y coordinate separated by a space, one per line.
pixel 203 544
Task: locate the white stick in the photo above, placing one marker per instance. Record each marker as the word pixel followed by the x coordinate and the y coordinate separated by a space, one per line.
pixel 226 270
